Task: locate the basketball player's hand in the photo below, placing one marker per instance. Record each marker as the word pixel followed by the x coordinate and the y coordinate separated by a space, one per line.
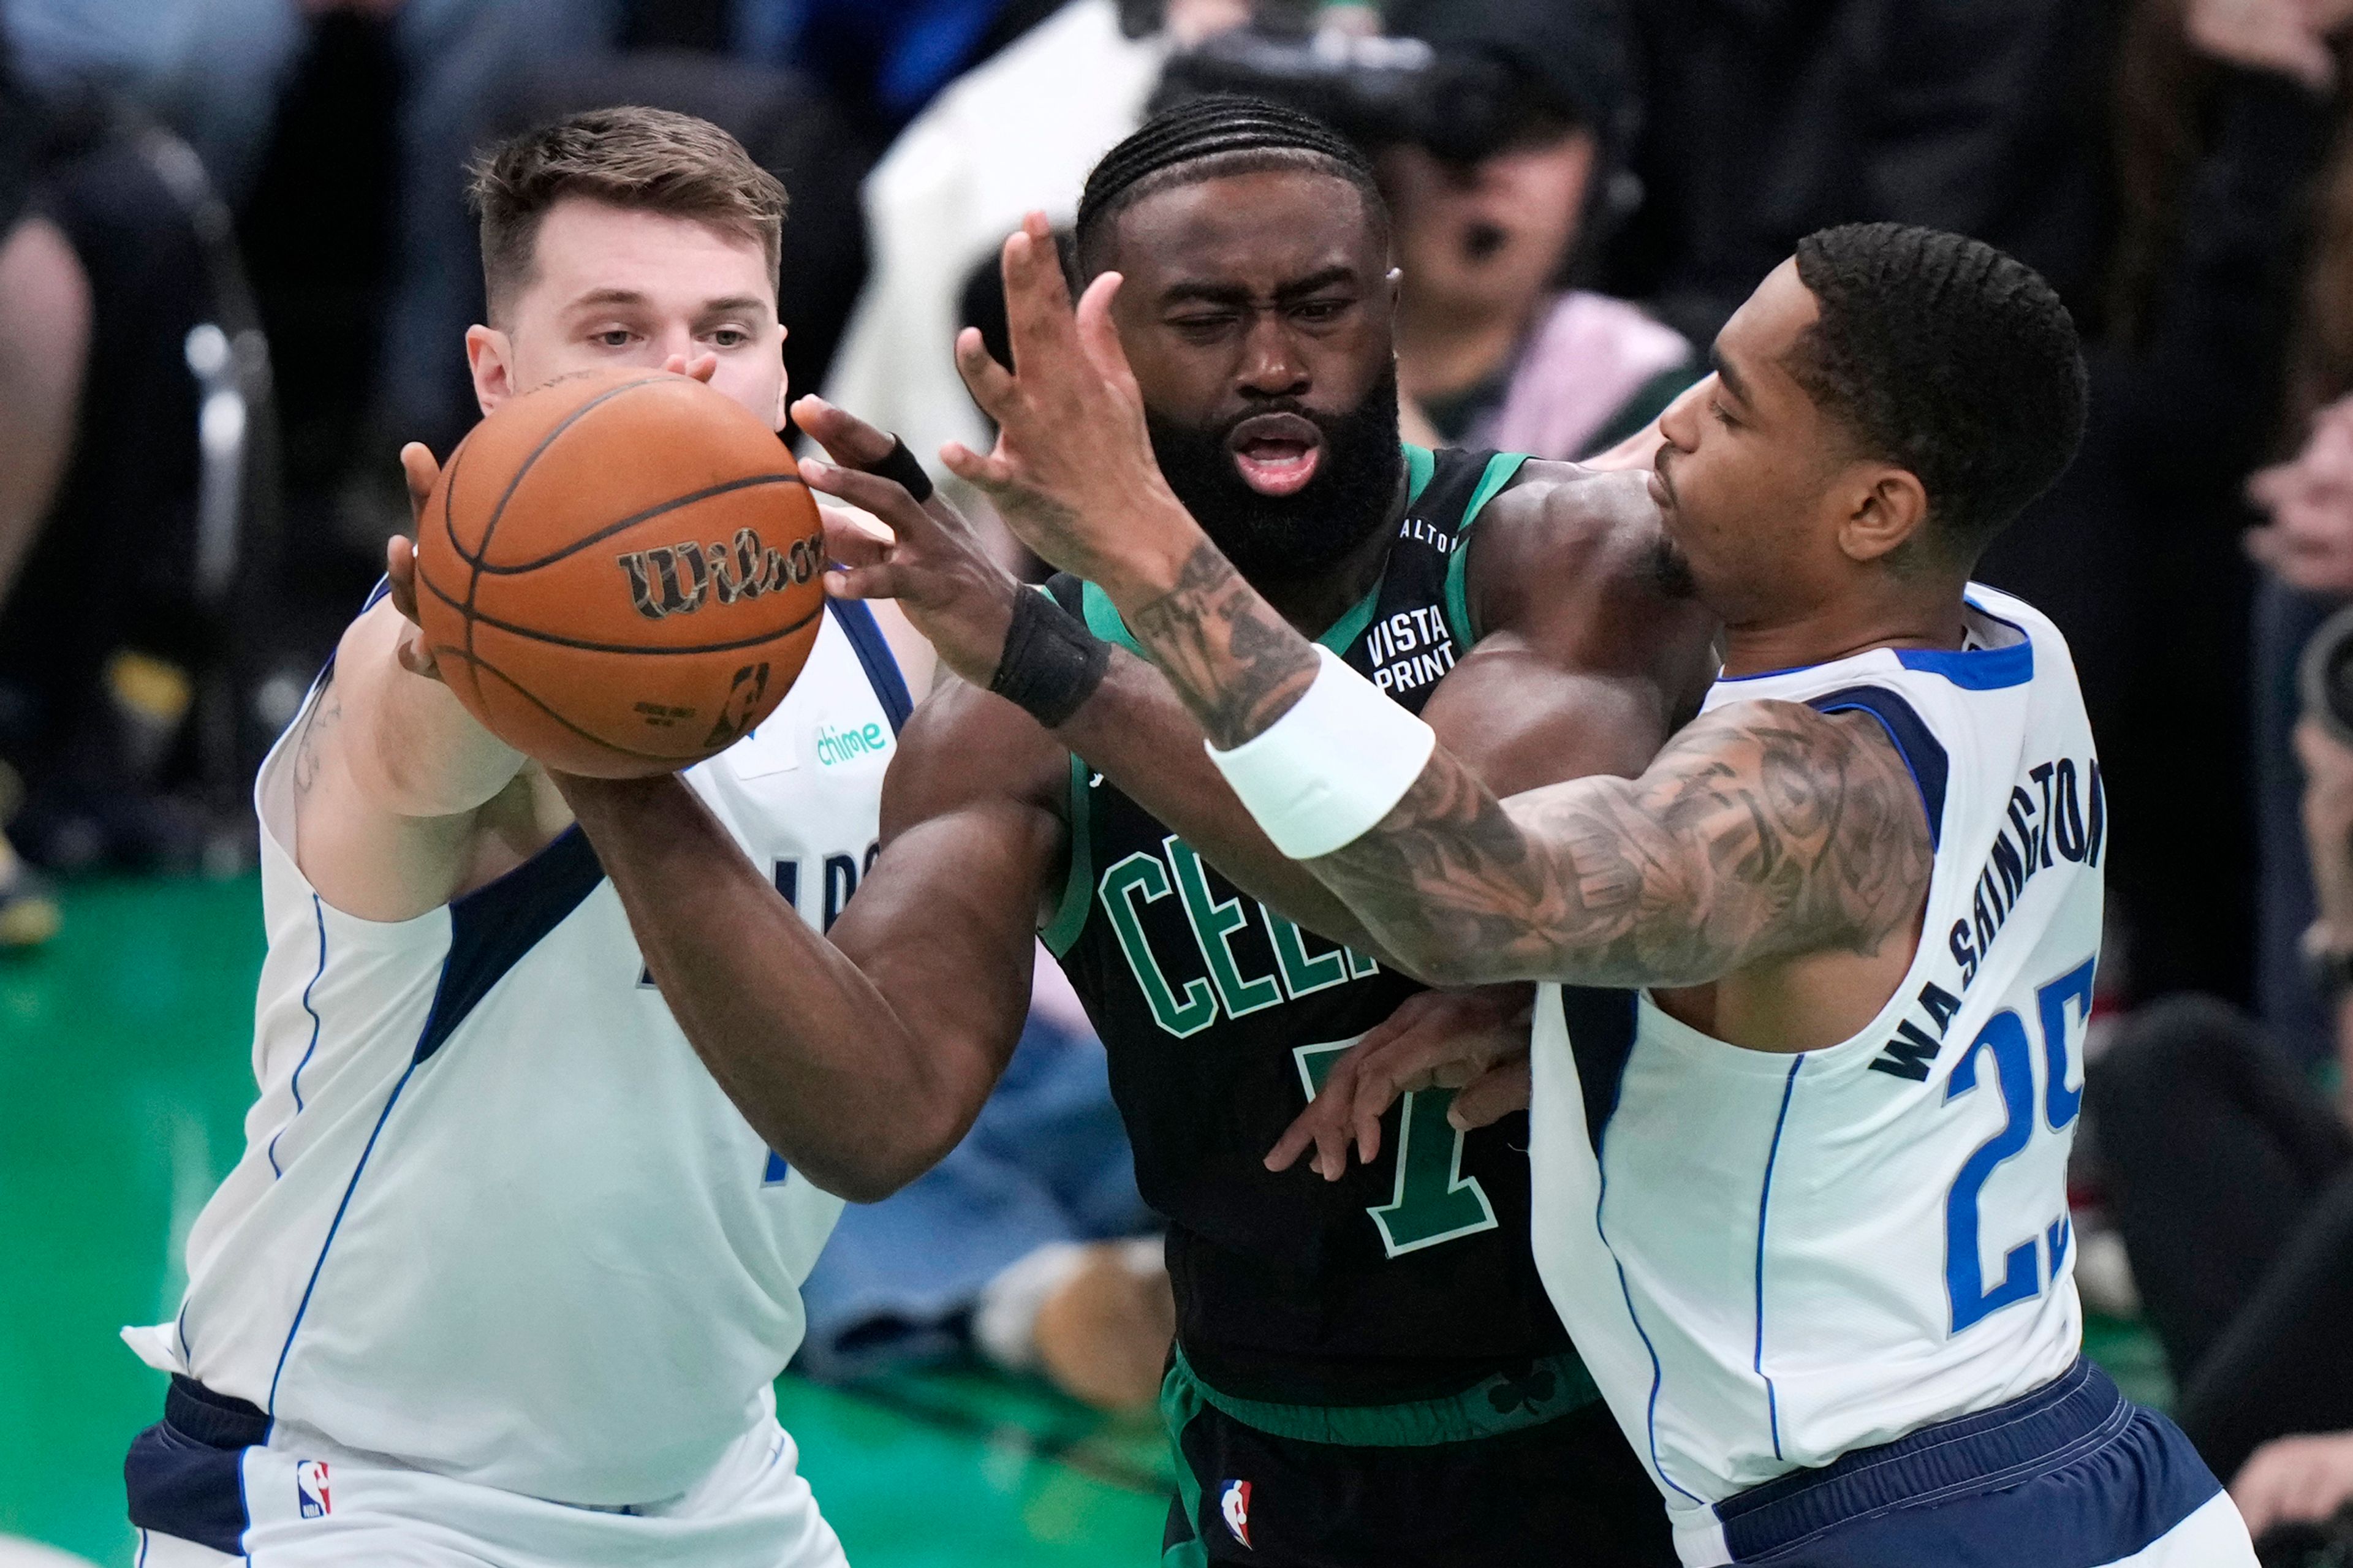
pixel 419 471
pixel 1072 471
pixel 1474 1042
pixel 935 565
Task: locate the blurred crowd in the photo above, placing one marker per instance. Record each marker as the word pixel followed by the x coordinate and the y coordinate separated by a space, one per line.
pixel 236 268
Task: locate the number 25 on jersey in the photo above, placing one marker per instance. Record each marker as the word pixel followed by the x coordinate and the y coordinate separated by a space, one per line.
pixel 2064 1011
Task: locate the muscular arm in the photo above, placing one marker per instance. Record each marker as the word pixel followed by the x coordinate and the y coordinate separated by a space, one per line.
pixel 1764 831
pixel 1583 666
pixel 863 1056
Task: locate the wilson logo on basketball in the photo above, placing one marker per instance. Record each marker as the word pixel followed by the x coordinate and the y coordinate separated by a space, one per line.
pixel 679 579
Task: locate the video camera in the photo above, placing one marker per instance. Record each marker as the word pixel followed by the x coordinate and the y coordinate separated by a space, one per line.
pixel 1379 92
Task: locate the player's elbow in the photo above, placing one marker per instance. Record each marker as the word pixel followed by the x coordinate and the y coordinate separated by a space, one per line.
pixel 883 1165
pixel 1439 959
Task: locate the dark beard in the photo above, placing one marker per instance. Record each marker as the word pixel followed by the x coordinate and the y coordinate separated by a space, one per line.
pixel 1275 540
pixel 1671 572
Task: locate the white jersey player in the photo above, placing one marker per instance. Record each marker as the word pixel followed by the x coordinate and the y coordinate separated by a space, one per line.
pixel 1800 1167
pixel 504 1275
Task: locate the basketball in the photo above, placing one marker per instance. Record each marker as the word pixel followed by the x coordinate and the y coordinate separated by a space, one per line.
pixel 620 572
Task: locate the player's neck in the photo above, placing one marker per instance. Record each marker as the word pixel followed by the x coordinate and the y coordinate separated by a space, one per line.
pixel 1842 630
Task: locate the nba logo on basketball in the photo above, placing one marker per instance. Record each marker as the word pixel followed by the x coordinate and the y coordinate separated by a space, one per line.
pixel 1234 1503
pixel 310 1488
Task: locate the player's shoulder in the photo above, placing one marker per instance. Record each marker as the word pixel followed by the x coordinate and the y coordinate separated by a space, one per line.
pixel 1579 551
pixel 1559 519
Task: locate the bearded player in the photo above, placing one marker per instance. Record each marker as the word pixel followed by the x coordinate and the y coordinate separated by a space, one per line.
pixel 1365 1373
pixel 1800 1179
pixel 502 1274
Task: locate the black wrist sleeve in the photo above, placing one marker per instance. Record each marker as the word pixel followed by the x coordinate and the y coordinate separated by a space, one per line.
pixel 1052 663
pixel 900 464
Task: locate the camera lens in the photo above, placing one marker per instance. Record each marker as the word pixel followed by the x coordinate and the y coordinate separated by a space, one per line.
pixel 2327 675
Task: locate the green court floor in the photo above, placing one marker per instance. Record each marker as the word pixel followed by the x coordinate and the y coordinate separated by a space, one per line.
pixel 124 1078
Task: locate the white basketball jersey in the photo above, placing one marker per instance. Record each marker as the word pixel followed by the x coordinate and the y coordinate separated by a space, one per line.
pixel 1770 1260
pixel 494 1218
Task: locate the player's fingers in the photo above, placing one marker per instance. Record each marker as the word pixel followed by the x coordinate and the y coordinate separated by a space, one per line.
pixel 990 384
pixel 419 471
pixel 400 574
pixel 847 440
pixel 886 498
pixel 1099 335
pixel 1494 1094
pixel 990 473
pixel 881 580
pixel 1037 296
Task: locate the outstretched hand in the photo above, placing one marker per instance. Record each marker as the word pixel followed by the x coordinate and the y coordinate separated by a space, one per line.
pixel 1474 1042
pixel 1072 473
pixel 934 564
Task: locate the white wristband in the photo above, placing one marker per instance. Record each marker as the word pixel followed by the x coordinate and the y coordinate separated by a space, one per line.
pixel 1324 774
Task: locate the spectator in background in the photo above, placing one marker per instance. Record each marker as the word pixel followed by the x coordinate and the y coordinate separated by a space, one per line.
pixel 44 341
pixel 1493 351
pixel 2228 114
pixel 2230 1179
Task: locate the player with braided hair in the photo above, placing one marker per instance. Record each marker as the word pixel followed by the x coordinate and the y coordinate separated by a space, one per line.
pixel 1808 1048
pixel 1367 1373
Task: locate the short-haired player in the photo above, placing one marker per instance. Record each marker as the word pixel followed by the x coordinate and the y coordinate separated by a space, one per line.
pixel 503 1274
pixel 1800 1167
pixel 1367 1374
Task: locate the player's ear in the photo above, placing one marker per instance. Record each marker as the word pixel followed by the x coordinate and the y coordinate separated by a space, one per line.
pixel 783 388
pixel 1888 506
pixel 489 355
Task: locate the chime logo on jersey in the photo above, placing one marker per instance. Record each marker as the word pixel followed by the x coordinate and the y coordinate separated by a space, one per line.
pixel 1234 1504
pixel 311 1488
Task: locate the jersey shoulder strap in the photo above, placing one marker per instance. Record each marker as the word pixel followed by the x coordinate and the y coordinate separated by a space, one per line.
pixel 1446 491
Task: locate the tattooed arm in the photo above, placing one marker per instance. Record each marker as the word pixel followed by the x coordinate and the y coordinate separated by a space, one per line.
pixel 1763 831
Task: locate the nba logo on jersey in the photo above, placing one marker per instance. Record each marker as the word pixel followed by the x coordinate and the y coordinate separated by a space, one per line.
pixel 311 1488
pixel 1234 1504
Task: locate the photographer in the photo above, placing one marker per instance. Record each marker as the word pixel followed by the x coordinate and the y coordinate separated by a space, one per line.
pixel 1498 128
pixel 2231 1178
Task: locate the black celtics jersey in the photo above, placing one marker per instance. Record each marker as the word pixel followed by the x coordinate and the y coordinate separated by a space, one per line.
pixel 1404 1280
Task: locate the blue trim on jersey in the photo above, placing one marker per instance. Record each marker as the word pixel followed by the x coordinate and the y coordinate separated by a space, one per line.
pixel 1764 1205
pixel 333 1225
pixel 874 653
pixel 320 915
pixel 1924 755
pixel 1658 1372
pixel 493 927
pixel 2071 1476
pixel 1974 670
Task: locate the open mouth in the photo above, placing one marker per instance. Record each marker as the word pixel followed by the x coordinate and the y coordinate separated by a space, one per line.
pixel 1276 454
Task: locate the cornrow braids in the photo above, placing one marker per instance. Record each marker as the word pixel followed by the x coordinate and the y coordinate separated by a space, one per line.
pixel 1944 355
pixel 1210 137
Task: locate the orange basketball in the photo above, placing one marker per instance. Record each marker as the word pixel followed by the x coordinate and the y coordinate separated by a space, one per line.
pixel 620 572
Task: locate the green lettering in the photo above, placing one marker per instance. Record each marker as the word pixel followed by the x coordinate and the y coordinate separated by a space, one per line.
pixel 1301 972
pixel 1432 1201
pixel 873 733
pixel 1144 873
pixel 1214 923
pixel 1360 967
